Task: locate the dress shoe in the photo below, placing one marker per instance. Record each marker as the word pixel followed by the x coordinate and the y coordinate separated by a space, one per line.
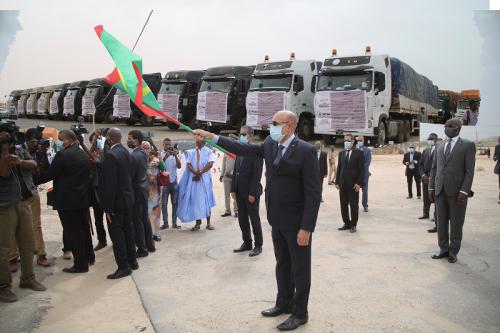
pixel 152 249
pixel 275 311
pixel 292 323
pixel 255 252
pixel 419 197
pixel 344 227
pixel 119 274
pixel 353 229
pixel 225 214
pixel 452 259
pixel 99 246
pixel 440 256
pixel 134 266
pixel 7 296
pixel 33 285
pixel 67 255
pixel 163 227
pixel 433 230
pixel 175 226
pixel 73 269
pixel 365 209
pixel 209 227
pixel 244 247
pixel 141 254
pixel 423 217
pixel 157 238
pixel 42 261
pixel 236 214
pixel 409 197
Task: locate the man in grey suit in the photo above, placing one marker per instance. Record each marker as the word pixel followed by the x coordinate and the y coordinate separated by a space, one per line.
pixel 425 167
pixel 449 186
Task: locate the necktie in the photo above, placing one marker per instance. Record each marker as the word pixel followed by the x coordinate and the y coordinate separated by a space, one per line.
pixel 197 159
pixel 278 156
pixel 347 156
pixel 448 149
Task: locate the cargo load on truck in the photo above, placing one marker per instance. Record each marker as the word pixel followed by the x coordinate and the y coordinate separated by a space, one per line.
pixel 98 101
pixel 56 104
pixel 32 102
pixel 73 100
pixel 43 103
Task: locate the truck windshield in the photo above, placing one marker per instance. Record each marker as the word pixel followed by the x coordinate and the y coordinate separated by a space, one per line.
pixel 72 92
pixel 348 81
pixel 92 91
pixel 217 85
pixel 172 88
pixel 120 92
pixel 269 82
pixel 463 104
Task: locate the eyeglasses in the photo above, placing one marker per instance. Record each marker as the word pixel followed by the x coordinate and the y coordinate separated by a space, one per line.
pixel 275 123
pixel 243 134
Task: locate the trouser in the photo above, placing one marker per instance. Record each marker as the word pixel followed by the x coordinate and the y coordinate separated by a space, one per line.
pixel 16 223
pixel 364 199
pixel 99 223
pixel 427 201
pixel 331 173
pixel 409 179
pixel 321 180
pixel 249 213
pixel 142 227
pixel 76 230
pixel 349 198
pixel 171 190
pixel 227 196
pixel 293 271
pixel 450 222
pixel 121 232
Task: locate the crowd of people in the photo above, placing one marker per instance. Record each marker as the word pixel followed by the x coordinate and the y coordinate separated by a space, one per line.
pixel 129 187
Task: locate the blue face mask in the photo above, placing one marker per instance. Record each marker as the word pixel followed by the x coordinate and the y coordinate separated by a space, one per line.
pixel 360 144
pixel 275 132
pixel 59 145
pixel 347 145
pixel 411 150
pixel 100 143
pixel 244 138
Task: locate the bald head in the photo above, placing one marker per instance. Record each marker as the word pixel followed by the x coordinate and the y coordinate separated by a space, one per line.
pixel 114 136
pixel 288 122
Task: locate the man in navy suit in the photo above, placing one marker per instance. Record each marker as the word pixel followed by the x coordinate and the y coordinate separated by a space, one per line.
pixel 293 194
pixel 246 189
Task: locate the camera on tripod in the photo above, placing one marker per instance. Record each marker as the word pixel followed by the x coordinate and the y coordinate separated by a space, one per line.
pixel 78 128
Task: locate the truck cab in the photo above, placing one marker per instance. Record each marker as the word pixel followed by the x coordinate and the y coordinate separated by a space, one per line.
pixel 56 104
pixel 12 102
pixel 221 97
pixel 281 85
pixel 32 102
pixel 43 102
pixel 467 96
pixel 73 100
pixel 21 105
pixel 98 101
pixel 179 94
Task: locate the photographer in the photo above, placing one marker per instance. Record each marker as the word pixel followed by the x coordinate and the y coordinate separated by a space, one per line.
pixel 70 171
pixel 16 195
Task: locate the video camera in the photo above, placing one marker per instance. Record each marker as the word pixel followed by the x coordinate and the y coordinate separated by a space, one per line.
pixel 78 128
pixel 16 137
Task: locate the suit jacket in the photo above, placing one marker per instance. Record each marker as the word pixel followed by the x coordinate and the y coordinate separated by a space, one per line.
pixel 425 164
pixel 246 176
pixel 70 171
pixel 352 172
pixel 115 183
pixel 227 168
pixel 292 191
pixel 455 173
pixel 323 165
pixel 367 153
pixel 139 176
pixel 416 157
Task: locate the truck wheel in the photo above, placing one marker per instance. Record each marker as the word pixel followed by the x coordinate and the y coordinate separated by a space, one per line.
pixel 381 134
pixel 130 122
pixel 329 139
pixel 172 125
pixel 407 130
pixel 306 129
pixel 108 117
pixel 147 121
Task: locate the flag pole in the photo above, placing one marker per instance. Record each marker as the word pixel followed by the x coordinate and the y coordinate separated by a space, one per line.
pixel 144 27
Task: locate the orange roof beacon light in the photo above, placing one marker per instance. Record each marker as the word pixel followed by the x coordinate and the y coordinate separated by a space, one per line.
pixel 292 56
pixel 368 50
pixel 334 52
pixel 266 57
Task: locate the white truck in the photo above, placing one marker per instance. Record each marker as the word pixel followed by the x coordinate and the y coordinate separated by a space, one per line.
pixel 376 96
pixel 282 85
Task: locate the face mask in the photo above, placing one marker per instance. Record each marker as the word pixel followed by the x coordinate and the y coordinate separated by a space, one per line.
pixel 451 132
pixel 318 148
pixel 347 145
pixel 411 150
pixel 59 146
pixel 244 138
pixel 100 143
pixel 130 144
pixel 275 132
pixel 430 143
pixel 360 144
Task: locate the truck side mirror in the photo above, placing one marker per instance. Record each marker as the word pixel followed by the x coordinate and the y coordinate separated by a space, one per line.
pixel 314 80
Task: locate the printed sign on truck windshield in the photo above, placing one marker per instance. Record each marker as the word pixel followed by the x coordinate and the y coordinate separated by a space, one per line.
pixel 29 105
pixel 340 110
pixel 41 103
pixel 212 106
pixel 169 103
pixel 121 106
pixel 69 104
pixel 262 105
pixel 53 109
pixel 20 108
pixel 88 105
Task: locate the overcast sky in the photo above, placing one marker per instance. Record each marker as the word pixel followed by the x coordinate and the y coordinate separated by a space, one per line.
pixel 57 44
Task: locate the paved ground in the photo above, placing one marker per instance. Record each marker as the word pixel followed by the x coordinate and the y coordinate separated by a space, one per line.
pixel 380 279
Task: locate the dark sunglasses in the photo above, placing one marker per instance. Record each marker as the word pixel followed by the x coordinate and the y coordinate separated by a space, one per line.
pixel 243 134
pixel 275 123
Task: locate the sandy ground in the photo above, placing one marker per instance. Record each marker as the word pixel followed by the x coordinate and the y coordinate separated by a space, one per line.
pixel 380 279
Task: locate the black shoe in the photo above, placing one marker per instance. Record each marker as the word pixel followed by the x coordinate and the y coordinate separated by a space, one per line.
pixel 292 323
pixel 73 270
pixel 244 247
pixel 255 252
pixel 409 197
pixel 353 229
pixel 423 217
pixel 99 246
pixel 236 214
pixel 119 274
pixel 141 254
pixel 344 227
pixel 163 227
pixel 433 230
pixel 452 259
pixel 365 209
pixel 419 197
pixel 152 249
pixel 157 239
pixel 175 226
pixel 225 214
pixel 275 311
pixel 134 266
pixel 441 255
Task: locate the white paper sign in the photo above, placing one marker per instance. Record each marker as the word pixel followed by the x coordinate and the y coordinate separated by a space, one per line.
pixel 121 106
pixel 53 108
pixel 340 110
pixel 29 105
pixel 69 105
pixel 262 105
pixel 41 104
pixel 169 104
pixel 212 106
pixel 88 105
pixel 20 105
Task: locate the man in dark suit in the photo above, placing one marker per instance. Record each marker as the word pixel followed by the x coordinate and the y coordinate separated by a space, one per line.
pixel 349 180
pixel 70 172
pixel 117 199
pixel 246 190
pixel 142 227
pixel 323 165
pixel 449 186
pixel 411 160
pixel 425 167
pixel 293 197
